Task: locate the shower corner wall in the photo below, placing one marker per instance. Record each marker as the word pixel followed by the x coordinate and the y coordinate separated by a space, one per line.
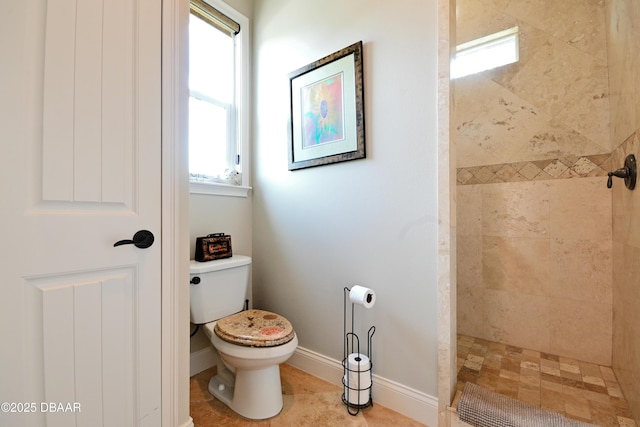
pixel 624 63
pixel 626 283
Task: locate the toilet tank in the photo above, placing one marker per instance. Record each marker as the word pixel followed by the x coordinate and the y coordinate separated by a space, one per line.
pixel 221 290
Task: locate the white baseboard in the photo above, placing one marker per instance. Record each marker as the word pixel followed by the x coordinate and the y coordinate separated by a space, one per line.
pixel 201 360
pixel 400 398
pixel 189 423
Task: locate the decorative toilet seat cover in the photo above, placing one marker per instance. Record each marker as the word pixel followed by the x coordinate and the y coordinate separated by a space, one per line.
pixel 255 328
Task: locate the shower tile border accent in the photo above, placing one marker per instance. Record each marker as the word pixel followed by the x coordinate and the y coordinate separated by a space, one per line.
pixel 561 168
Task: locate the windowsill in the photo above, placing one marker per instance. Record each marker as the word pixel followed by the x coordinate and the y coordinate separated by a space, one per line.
pixel 216 189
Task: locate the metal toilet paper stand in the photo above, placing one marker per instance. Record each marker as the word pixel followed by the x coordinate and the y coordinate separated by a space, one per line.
pixel 352 345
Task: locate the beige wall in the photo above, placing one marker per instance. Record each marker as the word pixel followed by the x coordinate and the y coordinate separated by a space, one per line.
pixel 371 222
pixel 624 62
pixel 216 214
pixel 534 214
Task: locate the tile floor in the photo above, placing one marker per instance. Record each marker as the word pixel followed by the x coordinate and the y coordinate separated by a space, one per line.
pixel 578 390
pixel 308 401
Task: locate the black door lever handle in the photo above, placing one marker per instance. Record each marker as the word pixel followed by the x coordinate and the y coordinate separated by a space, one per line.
pixel 142 239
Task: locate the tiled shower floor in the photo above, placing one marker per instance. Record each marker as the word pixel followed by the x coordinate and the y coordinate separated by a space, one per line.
pixel 578 390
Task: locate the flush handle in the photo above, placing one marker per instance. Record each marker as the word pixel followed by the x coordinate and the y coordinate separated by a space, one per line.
pixel 142 239
pixel 628 172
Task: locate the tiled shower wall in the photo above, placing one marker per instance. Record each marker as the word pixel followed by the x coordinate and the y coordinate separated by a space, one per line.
pixel 534 226
pixel 623 17
pixel 553 103
pixel 537 267
pixel 533 270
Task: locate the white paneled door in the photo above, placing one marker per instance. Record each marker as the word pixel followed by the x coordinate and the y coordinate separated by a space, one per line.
pixel 80 153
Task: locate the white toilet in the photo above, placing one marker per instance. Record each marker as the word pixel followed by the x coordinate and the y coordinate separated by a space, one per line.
pixel 251 343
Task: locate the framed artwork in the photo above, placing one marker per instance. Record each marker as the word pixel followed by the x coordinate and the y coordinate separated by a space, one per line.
pixel 327 110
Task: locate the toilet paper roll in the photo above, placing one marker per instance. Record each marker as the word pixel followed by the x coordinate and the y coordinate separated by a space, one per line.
pixel 358 362
pixel 365 380
pixel 362 296
pixel 351 381
pixel 359 371
pixel 353 395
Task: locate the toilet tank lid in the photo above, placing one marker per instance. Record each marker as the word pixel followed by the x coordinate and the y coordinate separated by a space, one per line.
pixel 196 267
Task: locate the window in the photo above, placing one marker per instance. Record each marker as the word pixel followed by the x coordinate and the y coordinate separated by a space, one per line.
pixel 486 53
pixel 218 113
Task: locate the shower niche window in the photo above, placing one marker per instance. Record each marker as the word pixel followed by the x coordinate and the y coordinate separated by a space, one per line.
pixel 486 53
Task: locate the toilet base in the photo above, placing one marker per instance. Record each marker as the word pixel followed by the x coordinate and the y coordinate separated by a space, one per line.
pixel 255 394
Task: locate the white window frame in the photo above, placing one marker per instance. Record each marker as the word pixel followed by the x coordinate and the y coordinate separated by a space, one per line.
pixel 480 53
pixel 242 112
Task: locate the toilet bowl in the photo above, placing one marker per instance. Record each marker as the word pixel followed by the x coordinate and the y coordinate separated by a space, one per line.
pixel 248 381
pixel 250 344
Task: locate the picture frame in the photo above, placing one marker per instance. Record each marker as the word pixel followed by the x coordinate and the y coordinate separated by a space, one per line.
pixel 327 110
